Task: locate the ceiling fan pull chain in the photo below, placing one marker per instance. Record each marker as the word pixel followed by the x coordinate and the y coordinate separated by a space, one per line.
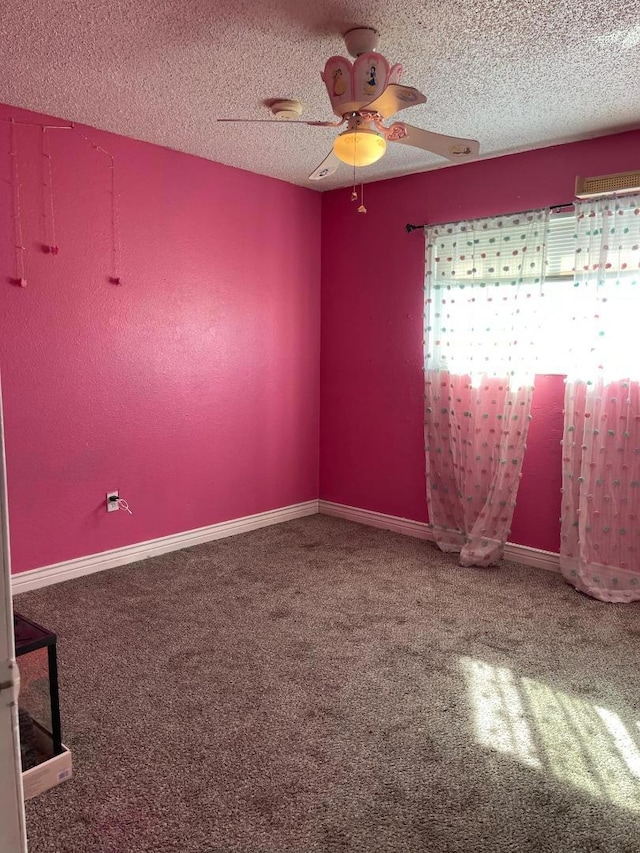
pixel 362 208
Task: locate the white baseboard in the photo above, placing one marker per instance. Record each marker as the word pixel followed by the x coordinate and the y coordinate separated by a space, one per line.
pixel 36 578
pixel 536 557
pixel 522 554
pixel 47 575
pixel 377 519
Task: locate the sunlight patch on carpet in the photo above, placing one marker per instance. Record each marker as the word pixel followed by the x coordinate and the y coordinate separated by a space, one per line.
pixel 581 743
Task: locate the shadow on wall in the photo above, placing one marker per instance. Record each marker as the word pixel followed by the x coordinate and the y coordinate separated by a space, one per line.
pixel 580 743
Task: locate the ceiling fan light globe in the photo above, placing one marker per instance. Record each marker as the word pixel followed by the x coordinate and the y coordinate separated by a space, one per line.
pixel 359 147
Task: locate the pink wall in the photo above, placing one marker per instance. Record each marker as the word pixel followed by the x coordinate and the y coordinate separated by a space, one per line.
pixel 371 443
pixel 194 386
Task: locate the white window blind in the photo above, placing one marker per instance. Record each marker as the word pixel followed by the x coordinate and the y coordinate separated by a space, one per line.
pixel 561 246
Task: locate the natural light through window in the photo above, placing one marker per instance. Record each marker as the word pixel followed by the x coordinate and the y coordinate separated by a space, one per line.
pixel 625 38
pixel 581 743
pixel 501 302
pixel 500 717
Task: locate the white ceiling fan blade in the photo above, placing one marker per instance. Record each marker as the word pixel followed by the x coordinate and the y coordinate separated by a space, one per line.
pixel 326 168
pixel 452 147
pixel 395 98
pixel 285 121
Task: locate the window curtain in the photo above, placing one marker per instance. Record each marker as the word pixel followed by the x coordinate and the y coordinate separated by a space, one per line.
pixel 600 533
pixel 483 300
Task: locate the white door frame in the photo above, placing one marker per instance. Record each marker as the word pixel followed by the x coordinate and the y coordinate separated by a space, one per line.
pixel 13 836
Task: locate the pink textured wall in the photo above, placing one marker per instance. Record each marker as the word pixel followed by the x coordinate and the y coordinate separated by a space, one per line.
pixel 371 444
pixel 194 386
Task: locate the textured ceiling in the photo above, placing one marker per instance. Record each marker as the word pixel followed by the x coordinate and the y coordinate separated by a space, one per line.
pixel 512 74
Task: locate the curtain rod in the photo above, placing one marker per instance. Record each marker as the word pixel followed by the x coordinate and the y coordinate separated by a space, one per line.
pixel 552 207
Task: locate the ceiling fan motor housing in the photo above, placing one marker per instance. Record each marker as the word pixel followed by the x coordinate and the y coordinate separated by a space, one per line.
pixel 286 109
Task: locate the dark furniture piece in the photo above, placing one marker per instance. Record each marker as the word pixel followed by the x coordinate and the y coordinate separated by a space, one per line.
pixel 29 637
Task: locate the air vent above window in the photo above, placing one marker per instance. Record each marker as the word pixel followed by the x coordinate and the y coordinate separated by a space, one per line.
pixel 622 182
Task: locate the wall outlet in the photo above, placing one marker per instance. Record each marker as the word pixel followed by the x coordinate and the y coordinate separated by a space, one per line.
pixel 112 501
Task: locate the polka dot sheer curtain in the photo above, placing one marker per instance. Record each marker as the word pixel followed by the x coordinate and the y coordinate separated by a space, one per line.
pixel 483 308
pixel 600 535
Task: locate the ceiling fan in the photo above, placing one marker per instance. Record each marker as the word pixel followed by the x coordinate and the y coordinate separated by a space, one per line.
pixel 364 94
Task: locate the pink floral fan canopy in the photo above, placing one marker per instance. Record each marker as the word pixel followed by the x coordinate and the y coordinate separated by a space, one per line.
pixel 353 85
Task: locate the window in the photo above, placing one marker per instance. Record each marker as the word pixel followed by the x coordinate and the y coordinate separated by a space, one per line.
pixel 503 296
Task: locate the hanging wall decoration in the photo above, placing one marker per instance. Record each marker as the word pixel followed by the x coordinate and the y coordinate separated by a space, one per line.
pixel 49 243
pixel 20 277
pixel 114 278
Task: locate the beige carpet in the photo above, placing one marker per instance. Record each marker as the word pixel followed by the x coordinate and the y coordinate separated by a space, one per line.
pixel 322 686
